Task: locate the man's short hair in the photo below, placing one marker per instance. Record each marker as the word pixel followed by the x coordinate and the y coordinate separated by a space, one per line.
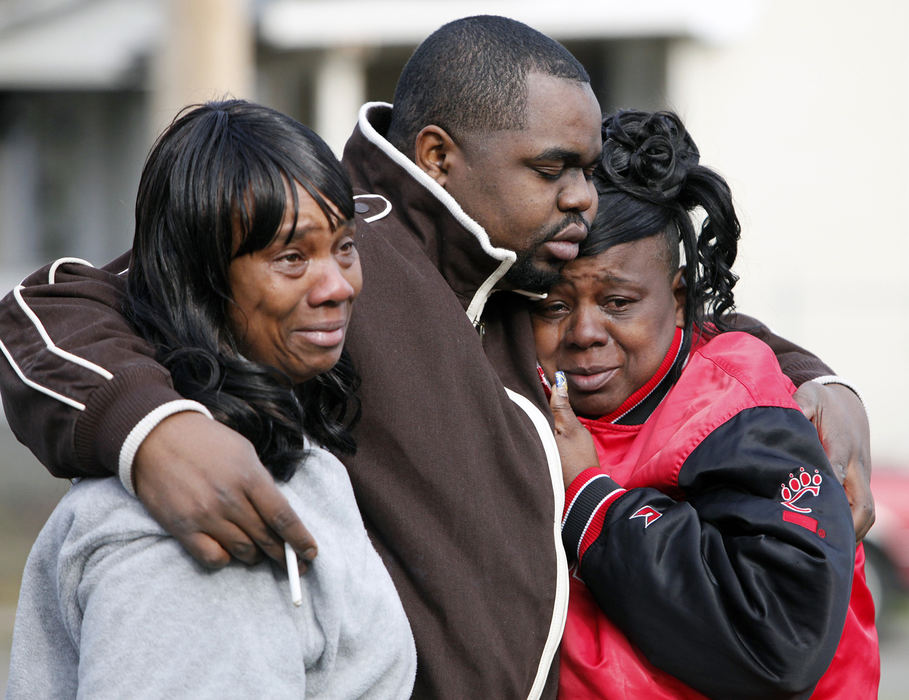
pixel 470 75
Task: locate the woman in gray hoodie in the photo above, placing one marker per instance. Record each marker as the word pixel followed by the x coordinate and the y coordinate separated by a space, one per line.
pixel 243 273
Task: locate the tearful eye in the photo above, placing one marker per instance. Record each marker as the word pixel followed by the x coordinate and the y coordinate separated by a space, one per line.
pixel 290 262
pixel 617 304
pixel 347 254
pixel 553 309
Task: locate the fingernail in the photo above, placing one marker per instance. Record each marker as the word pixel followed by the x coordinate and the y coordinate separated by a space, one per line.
pixel 310 554
pixel 560 381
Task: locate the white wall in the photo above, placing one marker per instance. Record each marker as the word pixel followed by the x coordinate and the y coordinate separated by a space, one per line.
pixel 807 115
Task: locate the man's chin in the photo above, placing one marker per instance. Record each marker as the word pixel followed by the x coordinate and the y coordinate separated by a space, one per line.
pixel 532 275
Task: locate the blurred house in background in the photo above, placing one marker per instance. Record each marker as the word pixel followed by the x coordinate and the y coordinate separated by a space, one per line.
pixel 802 104
pixel 85 85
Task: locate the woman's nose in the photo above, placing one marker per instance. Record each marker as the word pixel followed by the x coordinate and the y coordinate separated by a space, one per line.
pixel 587 329
pixel 333 285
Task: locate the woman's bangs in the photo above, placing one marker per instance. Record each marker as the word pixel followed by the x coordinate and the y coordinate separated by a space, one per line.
pixel 261 208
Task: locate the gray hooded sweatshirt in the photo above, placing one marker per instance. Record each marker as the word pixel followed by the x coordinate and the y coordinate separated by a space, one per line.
pixel 113 607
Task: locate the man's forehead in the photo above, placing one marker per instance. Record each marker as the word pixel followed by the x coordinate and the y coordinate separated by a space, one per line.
pixel 562 122
pixel 572 144
pixel 543 87
pixel 564 111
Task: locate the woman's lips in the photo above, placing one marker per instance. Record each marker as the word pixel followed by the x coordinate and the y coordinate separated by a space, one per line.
pixel 589 382
pixel 326 335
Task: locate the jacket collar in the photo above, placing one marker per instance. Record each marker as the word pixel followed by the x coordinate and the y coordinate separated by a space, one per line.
pixel 458 245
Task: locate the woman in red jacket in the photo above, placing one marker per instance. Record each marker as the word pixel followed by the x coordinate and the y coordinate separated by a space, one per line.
pixel 714 552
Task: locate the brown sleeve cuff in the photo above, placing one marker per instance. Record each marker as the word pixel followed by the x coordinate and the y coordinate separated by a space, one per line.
pixel 113 411
pixel 797 363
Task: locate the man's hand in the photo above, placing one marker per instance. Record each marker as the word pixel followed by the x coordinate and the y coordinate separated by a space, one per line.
pixel 576 448
pixel 842 424
pixel 204 484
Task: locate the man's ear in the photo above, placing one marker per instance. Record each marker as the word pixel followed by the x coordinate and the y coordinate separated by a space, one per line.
pixel 434 151
pixel 680 293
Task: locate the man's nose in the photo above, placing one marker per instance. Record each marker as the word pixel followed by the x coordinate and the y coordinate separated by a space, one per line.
pixel 579 192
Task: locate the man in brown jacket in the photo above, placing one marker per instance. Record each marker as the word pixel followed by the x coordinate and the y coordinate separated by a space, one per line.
pixel 475 186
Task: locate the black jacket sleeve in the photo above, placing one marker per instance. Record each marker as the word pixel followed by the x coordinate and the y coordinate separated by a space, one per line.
pixel 75 377
pixel 730 590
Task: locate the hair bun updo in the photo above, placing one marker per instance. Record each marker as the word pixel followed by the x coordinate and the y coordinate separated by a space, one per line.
pixel 647 154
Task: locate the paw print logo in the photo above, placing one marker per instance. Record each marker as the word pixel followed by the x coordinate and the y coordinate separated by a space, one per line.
pixel 797 486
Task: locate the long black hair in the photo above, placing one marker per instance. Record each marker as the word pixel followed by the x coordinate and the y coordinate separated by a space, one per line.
pixel 223 169
pixel 650 181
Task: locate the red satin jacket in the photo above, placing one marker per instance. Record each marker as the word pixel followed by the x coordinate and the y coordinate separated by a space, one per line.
pixel 719 548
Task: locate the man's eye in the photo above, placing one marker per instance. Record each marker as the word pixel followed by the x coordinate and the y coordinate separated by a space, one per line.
pixel 550 173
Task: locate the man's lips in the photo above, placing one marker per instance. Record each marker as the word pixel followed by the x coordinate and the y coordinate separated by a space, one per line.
pixel 573 233
pixel 589 380
pixel 564 245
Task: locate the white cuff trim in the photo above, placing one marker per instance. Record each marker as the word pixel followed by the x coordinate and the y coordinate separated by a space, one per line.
pixel 833 379
pixel 143 428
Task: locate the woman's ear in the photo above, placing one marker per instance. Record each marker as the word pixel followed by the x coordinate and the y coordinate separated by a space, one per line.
pixel 680 293
pixel 434 151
